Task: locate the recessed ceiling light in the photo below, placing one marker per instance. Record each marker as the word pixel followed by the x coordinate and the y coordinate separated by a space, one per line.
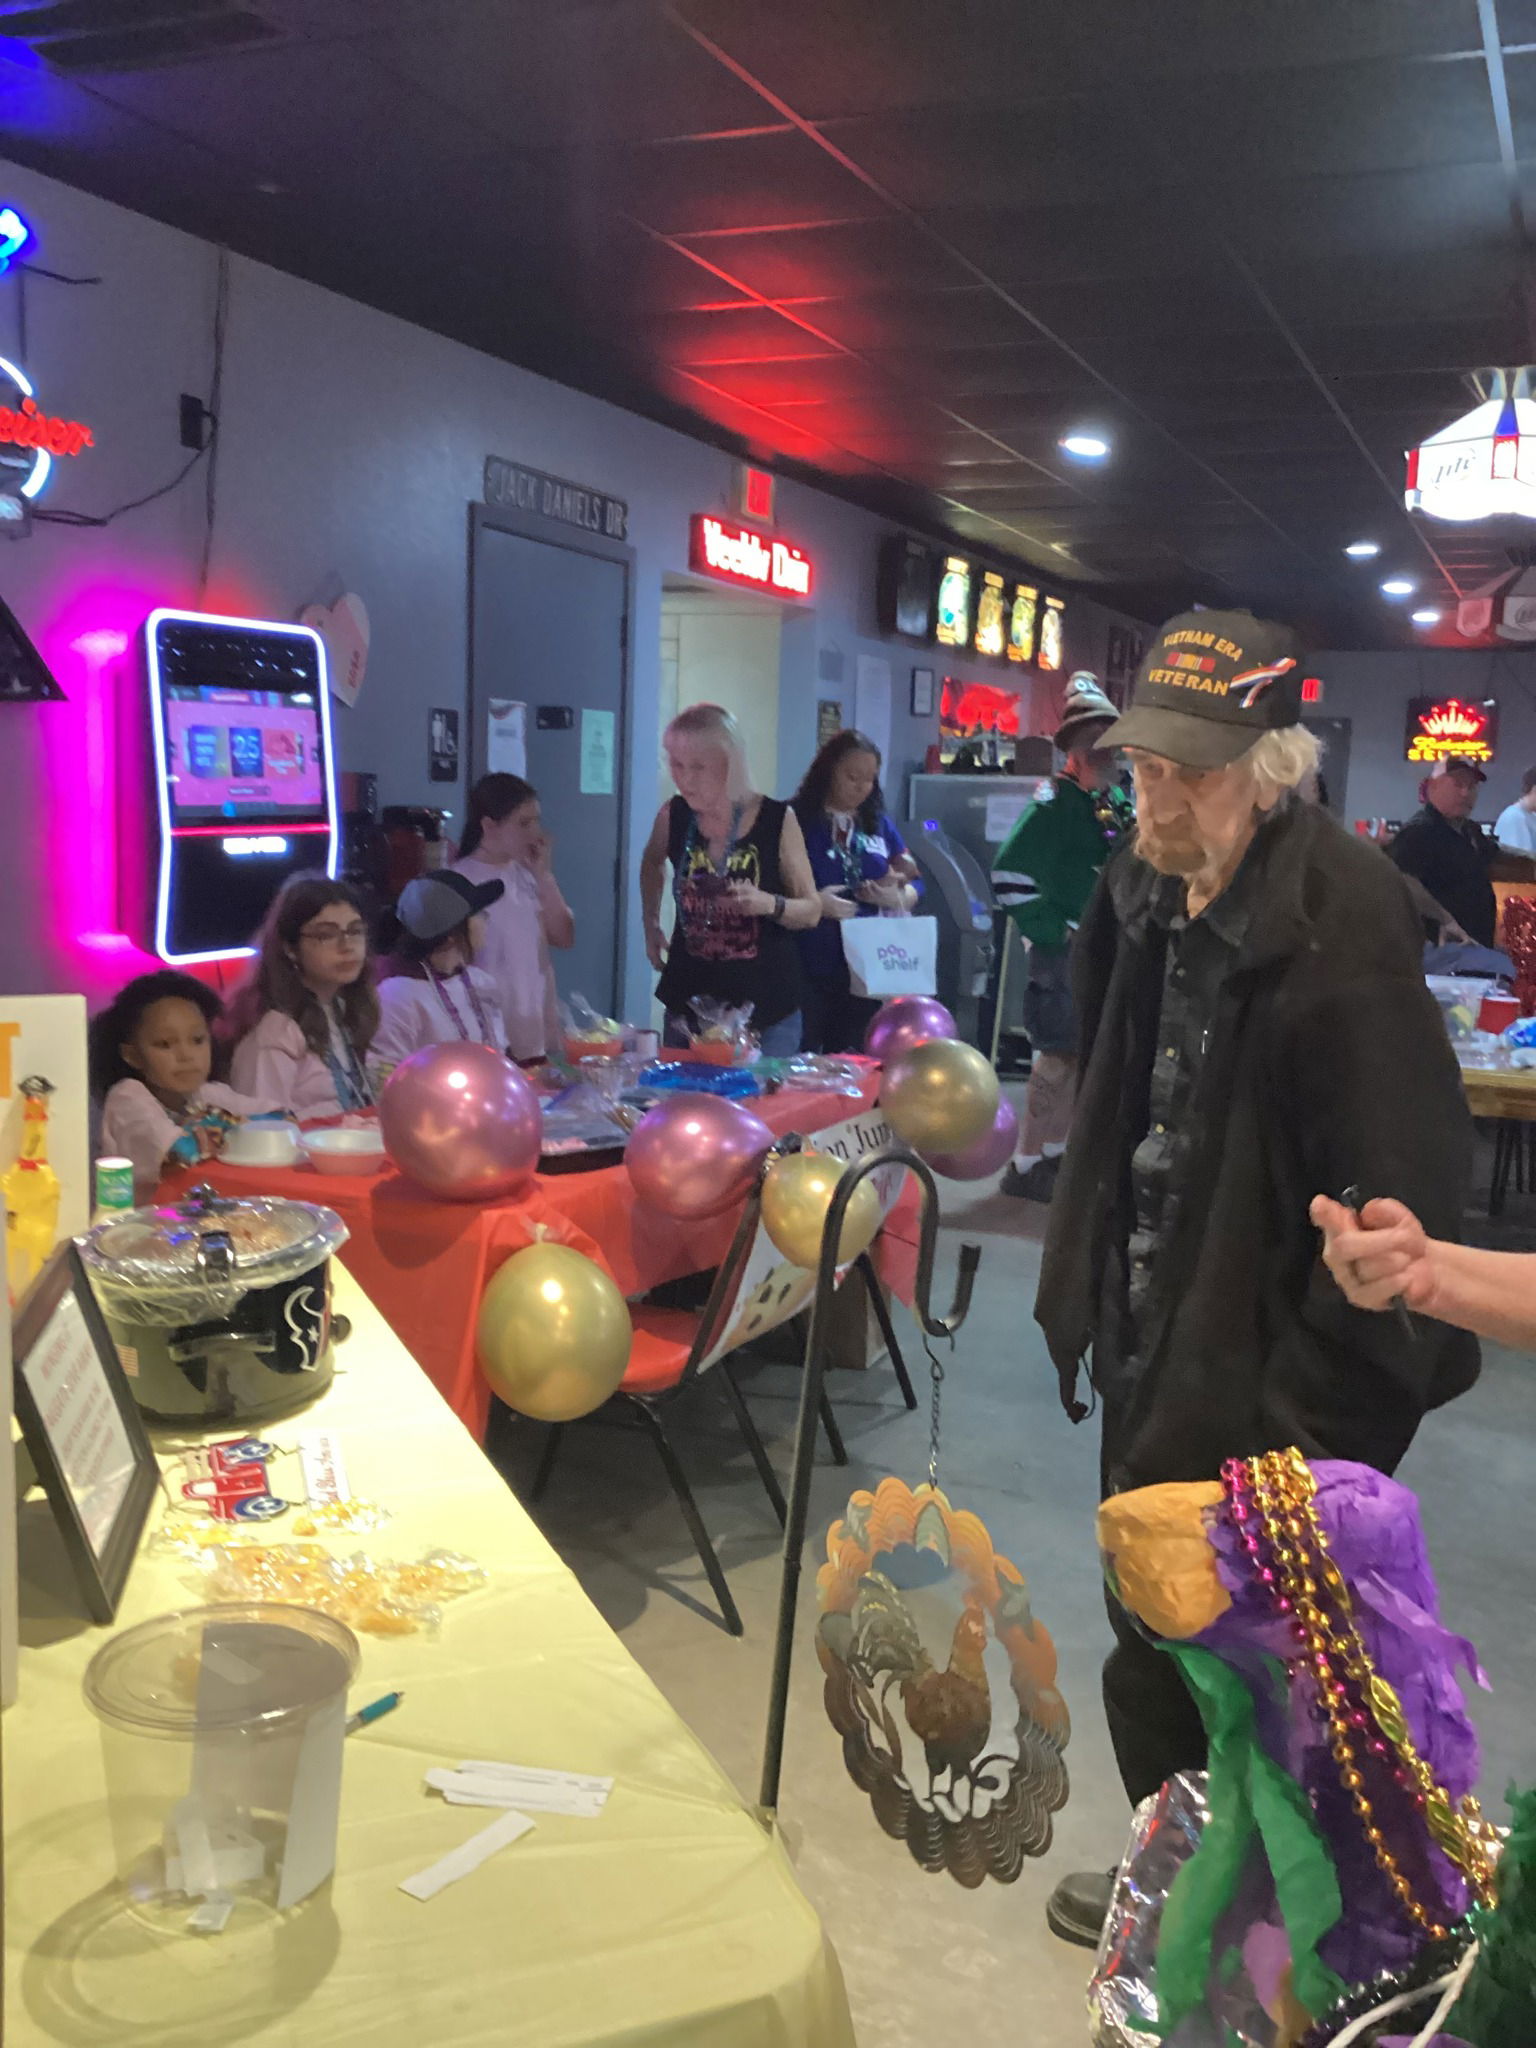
pixel 1425 616
pixel 1398 586
pixel 1085 447
pixel 1362 550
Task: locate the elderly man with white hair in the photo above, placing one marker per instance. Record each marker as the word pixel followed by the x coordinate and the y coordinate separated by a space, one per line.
pixel 1255 1027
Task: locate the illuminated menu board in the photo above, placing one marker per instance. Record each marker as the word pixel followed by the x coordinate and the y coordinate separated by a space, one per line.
pixel 1051 633
pixel 1021 622
pixel 952 626
pixel 991 615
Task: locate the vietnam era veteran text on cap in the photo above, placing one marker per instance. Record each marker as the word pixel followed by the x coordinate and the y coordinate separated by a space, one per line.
pixel 1213 684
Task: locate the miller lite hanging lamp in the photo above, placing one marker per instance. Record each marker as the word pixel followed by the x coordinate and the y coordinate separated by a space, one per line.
pixel 1482 466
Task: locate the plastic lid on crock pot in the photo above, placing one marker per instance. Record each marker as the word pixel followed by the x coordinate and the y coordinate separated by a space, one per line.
pixel 254 1665
pixel 196 1259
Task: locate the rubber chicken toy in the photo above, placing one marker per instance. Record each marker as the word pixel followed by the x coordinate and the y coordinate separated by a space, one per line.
pixel 31 1190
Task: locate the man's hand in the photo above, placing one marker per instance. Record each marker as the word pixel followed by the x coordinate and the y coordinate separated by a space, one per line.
pixel 1451 934
pixel 1379 1254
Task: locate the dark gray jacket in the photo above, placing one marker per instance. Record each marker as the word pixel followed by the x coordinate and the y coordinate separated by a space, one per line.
pixel 1328 1067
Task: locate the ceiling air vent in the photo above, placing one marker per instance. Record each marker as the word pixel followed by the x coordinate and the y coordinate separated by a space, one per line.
pixel 79 37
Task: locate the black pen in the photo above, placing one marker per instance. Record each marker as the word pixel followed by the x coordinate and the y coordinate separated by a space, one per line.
pixel 1354 1201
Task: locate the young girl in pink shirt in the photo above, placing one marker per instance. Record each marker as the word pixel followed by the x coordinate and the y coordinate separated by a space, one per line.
pixel 505 841
pixel 151 1056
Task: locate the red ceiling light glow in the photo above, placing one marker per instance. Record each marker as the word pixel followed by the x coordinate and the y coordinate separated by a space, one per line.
pixel 754 561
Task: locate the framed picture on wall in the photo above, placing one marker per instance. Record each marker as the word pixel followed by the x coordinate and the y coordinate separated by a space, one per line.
pixel 922 693
pixel 82 1429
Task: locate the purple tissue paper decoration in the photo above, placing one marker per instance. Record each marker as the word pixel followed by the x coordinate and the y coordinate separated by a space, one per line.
pixel 1373 1529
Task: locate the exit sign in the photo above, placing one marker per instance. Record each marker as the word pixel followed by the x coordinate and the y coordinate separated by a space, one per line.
pixel 1311 689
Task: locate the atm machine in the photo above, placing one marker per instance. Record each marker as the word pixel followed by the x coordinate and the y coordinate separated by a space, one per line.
pixel 967 817
pixel 235 753
pixel 959 896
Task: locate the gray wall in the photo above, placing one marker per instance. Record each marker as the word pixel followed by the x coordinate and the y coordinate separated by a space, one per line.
pixel 1373 690
pixel 351 444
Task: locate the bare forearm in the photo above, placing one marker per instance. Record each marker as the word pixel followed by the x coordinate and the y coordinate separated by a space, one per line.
pixel 555 914
pixel 800 913
pixel 653 875
pixel 1493 1294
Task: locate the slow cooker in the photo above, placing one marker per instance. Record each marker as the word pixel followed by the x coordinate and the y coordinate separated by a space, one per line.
pixel 220 1308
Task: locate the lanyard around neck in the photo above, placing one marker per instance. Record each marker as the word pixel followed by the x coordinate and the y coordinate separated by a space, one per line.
pixel 460 1024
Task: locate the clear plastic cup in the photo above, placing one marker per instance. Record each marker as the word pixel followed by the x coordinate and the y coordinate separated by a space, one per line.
pixel 222 1734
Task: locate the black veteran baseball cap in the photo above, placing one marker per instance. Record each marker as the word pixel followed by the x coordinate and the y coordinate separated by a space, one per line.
pixel 1213 684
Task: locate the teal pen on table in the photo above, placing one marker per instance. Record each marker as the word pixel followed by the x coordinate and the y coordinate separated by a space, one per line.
pixel 1354 1201
pixel 374 1711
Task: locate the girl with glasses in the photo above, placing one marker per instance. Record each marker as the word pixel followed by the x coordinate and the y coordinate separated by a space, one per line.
pixel 307 1014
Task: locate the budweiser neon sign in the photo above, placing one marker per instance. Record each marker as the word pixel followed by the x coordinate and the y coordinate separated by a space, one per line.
pixel 1446 729
pixel 24 425
pixel 741 555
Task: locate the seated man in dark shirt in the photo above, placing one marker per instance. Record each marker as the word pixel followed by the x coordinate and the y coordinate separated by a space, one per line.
pixel 1442 849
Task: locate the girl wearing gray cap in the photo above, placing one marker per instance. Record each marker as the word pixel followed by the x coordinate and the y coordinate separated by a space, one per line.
pixel 439 997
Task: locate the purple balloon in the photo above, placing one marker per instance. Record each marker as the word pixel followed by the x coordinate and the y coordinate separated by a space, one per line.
pixel 462 1121
pixel 906 1021
pixel 984 1155
pixel 694 1156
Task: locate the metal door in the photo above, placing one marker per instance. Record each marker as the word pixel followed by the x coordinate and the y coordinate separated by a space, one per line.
pixel 550 630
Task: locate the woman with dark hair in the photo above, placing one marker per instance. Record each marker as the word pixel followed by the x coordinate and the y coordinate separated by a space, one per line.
pixel 437 995
pixel 305 1018
pixel 505 842
pixel 151 1055
pixel 862 869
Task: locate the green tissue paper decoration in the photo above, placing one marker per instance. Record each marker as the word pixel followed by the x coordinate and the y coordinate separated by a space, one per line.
pixel 1498 2007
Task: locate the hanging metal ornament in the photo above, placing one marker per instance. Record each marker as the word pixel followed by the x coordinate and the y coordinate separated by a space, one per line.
pixel 938 1678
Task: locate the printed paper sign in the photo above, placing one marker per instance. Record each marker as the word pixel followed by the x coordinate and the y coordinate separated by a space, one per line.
pixel 597 751
pixel 506 737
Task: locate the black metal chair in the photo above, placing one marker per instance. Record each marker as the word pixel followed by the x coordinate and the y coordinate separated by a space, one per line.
pixel 671 1353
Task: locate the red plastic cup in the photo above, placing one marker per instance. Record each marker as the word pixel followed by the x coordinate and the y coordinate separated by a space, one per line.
pixel 1498 1012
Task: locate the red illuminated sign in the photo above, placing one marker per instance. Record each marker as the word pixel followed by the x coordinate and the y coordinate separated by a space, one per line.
pixel 741 555
pixel 1311 689
pixel 29 427
pixel 1446 729
pixel 757 494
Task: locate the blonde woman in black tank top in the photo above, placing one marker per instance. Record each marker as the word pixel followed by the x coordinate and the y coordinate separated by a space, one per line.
pixel 741 884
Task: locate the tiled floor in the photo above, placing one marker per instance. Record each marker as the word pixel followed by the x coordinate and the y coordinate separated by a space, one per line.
pixel 925 1960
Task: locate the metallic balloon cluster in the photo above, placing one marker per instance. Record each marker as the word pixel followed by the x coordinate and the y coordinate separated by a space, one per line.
pixel 939 1095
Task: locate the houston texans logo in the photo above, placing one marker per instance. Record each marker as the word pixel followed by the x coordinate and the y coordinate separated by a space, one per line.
pixel 1253 682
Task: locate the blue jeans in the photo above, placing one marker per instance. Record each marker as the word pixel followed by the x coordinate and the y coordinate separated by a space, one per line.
pixel 779 1041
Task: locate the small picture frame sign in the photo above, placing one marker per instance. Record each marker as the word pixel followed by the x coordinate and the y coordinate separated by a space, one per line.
pixel 82 1429
pixel 922 693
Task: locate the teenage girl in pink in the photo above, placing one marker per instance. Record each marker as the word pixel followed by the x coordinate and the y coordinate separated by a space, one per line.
pixel 305 1018
pixel 151 1056
pixel 505 841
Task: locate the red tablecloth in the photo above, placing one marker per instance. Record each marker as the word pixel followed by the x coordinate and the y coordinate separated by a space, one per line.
pixel 426 1262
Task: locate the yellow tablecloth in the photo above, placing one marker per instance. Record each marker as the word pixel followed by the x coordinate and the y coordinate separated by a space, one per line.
pixel 672 1920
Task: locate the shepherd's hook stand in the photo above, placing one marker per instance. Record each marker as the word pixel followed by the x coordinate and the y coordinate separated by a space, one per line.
pixel 810 1407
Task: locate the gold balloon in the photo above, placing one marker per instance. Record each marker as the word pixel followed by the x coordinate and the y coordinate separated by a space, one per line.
pixel 553 1334
pixel 796 1196
pixel 939 1096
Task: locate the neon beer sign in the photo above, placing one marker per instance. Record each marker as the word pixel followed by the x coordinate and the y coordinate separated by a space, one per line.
pixel 1447 729
pixel 741 555
pixel 24 424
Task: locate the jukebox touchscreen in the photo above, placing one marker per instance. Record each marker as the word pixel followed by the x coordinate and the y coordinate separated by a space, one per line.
pixel 244 782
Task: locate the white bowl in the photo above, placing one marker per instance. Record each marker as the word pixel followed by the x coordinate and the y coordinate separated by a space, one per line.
pixel 345 1151
pixel 263 1144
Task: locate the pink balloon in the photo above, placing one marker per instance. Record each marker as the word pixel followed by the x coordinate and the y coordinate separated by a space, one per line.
pixel 694 1155
pixel 462 1121
pixel 984 1155
pixel 906 1021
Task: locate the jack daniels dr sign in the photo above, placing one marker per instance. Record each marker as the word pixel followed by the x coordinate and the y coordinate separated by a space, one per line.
pixel 556 497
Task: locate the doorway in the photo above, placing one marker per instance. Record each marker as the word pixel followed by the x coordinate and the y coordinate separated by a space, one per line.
pixel 549 632
pixel 722 647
